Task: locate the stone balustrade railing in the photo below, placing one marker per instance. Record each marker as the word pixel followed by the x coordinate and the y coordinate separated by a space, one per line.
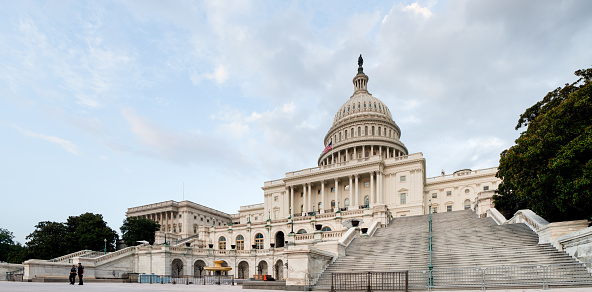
pixel 496 216
pixel 305 236
pixel 118 253
pixel 528 217
pixel 332 234
pixel 71 255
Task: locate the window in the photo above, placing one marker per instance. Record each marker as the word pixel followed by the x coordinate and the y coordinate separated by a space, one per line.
pixel 319 192
pixel 333 190
pixel 434 195
pixel 346 203
pixel 320 206
pixel 403 198
pixel 379 131
pixel 366 202
pixel 301 231
pixel 276 214
pixel 448 193
pixel 366 131
pixel 366 184
pixel 326 228
pixel 222 243
pixel 275 198
pixel 301 208
pixel 359 131
pixel 372 130
pixel 467 191
pixel 256 218
pixel 179 215
pixel 434 210
pixel 259 241
pixel 301 194
pixel 208 220
pixel 175 216
pixel 448 208
pixel 345 134
pixel 486 188
pixel 333 206
pixel 194 217
pixel 467 204
pixel 201 219
pixel 403 178
pixel 240 242
pixel 346 187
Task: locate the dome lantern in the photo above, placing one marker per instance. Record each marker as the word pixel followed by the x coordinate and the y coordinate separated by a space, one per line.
pixel 361 79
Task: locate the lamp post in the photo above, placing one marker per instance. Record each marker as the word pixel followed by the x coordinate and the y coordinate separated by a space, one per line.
pixel 105 240
pixel 430 267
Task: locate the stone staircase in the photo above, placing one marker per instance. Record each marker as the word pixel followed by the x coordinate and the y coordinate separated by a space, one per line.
pixel 460 240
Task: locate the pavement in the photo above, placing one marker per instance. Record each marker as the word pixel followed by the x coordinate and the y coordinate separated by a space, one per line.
pixel 134 287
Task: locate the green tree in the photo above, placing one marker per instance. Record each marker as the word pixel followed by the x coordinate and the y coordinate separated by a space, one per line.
pixel 135 229
pixel 550 167
pixel 47 241
pixel 6 243
pixel 89 231
pixel 18 254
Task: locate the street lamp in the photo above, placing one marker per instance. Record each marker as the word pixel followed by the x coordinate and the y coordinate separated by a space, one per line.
pixel 430 267
pixel 105 240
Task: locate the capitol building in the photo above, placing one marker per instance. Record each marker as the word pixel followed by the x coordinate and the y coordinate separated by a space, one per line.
pixel 365 174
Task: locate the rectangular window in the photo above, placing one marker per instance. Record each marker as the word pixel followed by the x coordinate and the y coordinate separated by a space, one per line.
pixel 448 208
pixel 333 190
pixel 403 199
pixel 319 192
pixel 449 193
pixel 434 210
pixel 346 187
pixel 367 184
pixel 486 188
pixel 275 198
pixel 276 214
pixel 403 178
pixel 434 195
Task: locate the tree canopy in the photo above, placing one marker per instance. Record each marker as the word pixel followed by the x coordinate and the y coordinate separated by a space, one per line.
pixel 550 167
pixel 6 243
pixel 54 239
pixel 135 229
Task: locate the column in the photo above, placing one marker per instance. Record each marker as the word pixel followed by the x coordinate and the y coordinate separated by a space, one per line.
pixel 346 155
pixel 380 151
pixel 292 201
pixel 350 192
pixel 355 153
pixel 305 209
pixel 323 207
pixel 336 190
pixel 379 187
pixel 372 201
pixel 357 196
pixel 363 151
pixel 371 150
pixel 339 156
pixel 310 197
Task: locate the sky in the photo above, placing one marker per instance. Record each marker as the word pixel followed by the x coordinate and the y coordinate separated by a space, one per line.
pixel 110 105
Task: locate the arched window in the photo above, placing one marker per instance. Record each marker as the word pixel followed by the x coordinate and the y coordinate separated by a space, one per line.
pixel 372 130
pixel 366 202
pixel 467 204
pixel 240 242
pixel 340 138
pixel 346 203
pixel 222 243
pixel 326 228
pixel 379 131
pixel 333 206
pixel 351 133
pixel 301 231
pixel 366 131
pixel 259 241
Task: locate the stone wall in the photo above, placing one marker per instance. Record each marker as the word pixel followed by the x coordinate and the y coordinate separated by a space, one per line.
pixel 578 244
pixel 6 267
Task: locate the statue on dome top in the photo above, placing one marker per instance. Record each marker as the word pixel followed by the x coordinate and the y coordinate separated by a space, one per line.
pixel 360 61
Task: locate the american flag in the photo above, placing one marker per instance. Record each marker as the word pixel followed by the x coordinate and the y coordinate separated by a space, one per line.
pixel 329 147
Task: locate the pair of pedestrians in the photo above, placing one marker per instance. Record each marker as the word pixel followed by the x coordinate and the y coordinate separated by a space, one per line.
pixel 73 274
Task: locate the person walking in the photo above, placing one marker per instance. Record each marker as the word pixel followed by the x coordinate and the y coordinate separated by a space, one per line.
pixel 72 275
pixel 80 273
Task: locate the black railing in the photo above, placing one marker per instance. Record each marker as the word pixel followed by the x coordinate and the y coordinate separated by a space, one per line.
pixel 370 281
pixel 186 280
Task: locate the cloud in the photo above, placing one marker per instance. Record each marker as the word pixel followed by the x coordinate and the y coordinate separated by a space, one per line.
pixel 417 9
pixel 65 144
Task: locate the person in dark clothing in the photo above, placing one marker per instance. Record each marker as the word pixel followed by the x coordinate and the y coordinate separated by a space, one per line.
pixel 72 275
pixel 80 273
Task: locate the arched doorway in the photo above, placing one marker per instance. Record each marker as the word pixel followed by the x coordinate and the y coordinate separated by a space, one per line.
pixel 279 239
pixel 243 270
pixel 279 270
pixel 262 268
pixel 198 268
pixel 177 267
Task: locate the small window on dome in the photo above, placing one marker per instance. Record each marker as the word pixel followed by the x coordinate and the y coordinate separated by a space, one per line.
pixel 374 105
pixel 364 105
pixel 358 105
pixel 379 107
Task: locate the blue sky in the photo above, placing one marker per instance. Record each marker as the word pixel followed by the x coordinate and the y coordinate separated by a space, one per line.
pixel 110 105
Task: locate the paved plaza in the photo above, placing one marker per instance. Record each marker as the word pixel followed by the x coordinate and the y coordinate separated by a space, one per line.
pixel 124 287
